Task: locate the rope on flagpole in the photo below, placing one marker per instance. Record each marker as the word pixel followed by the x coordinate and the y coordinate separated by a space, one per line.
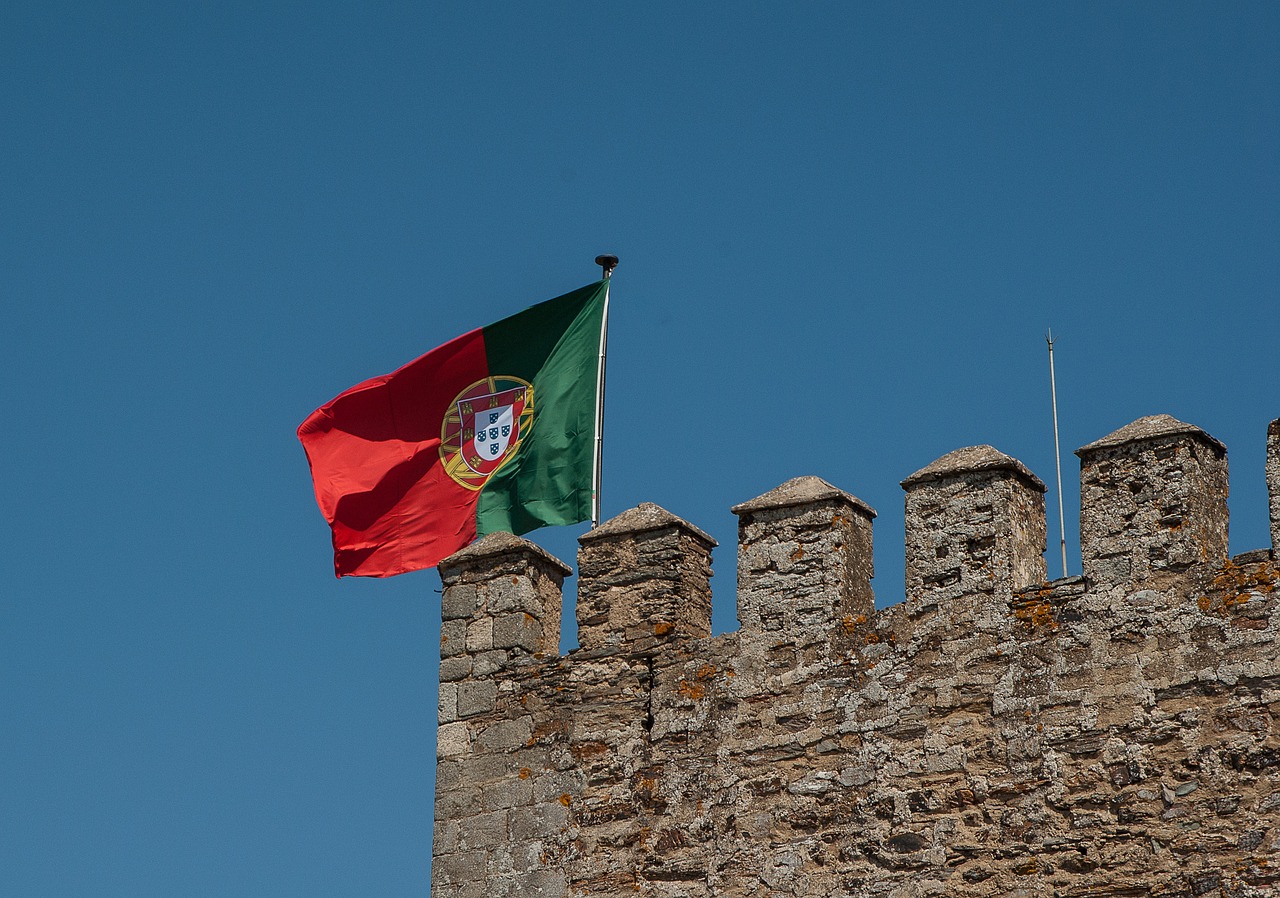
pixel 607 263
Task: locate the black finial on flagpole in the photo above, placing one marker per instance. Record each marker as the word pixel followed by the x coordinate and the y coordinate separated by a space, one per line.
pixel 608 262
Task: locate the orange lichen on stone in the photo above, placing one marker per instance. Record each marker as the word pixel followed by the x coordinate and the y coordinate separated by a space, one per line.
pixel 852 625
pixel 1036 614
pixel 646 787
pixel 588 749
pixel 1234 585
pixel 1224 605
pixel 662 628
pixel 693 691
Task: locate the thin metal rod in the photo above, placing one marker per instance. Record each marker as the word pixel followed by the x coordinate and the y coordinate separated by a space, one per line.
pixel 607 262
pixel 1057 453
pixel 598 460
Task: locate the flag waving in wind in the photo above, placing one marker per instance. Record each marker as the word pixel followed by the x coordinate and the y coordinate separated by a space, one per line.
pixel 494 430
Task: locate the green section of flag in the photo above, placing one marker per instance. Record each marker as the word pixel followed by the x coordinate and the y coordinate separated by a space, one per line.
pixel 554 345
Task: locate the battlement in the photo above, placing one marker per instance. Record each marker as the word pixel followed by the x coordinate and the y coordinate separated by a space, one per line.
pixel 993 734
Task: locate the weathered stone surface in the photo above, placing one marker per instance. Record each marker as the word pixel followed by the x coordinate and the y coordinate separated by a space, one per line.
pixel 501 608
pixel 1153 503
pixel 1273 482
pixel 501 593
pixel 975 526
pixel 804 562
pixel 643 580
pixel 802 491
pixel 644 517
pixel 995 735
pixel 1152 427
pixel 972 460
pixel 506 546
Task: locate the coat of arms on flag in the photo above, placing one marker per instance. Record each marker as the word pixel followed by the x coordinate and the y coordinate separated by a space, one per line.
pixel 484 428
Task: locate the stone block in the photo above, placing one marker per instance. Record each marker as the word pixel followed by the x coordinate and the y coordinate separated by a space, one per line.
pixel 480 634
pixel 507 594
pixel 1153 502
pixel 538 820
pixel 804 561
pixel 459 602
pixel 486 664
pixel 549 787
pixel 500 576
pixel 511 792
pixel 448 705
pixel 540 884
pixel 487 830
pixel 457 867
pixel 458 668
pixel 975 526
pixel 519 630
pixel 506 735
pixel 476 697
pixel 458 803
pixel 453 638
pixel 643 581
pixel 452 740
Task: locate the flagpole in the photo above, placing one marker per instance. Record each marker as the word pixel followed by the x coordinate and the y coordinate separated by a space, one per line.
pixel 607 263
pixel 1057 453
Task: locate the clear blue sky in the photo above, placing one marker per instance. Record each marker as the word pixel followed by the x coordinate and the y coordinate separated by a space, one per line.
pixel 844 229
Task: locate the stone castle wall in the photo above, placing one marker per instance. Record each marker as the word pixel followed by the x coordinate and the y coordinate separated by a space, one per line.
pixel 1113 734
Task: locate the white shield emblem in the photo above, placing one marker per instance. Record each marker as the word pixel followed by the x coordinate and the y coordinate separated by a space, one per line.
pixel 490 427
pixel 493 432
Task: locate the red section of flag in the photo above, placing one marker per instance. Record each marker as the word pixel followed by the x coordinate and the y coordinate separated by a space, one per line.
pixel 374 452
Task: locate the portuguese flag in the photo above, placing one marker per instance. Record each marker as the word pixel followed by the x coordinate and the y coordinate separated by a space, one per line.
pixel 494 430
